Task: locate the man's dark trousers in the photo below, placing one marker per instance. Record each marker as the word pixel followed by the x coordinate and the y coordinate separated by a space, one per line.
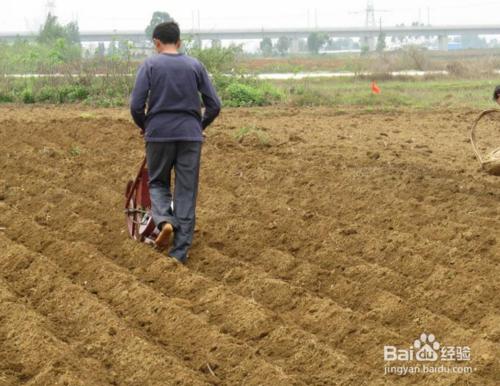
pixel 184 158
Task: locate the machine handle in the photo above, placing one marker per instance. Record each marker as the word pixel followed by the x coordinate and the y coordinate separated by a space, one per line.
pixel 136 181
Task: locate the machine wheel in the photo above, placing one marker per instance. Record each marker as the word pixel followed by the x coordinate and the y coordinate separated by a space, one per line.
pixel 140 224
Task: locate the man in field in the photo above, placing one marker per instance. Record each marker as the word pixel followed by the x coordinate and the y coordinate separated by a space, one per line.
pixel 496 94
pixel 171 83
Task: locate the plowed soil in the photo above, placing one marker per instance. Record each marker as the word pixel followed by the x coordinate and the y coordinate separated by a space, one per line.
pixel 322 236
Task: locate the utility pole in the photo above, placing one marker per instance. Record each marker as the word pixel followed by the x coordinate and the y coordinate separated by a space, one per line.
pixel 50 7
pixel 370 15
pixel 370 23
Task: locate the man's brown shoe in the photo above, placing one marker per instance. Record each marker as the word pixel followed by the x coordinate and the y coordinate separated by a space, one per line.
pixel 164 237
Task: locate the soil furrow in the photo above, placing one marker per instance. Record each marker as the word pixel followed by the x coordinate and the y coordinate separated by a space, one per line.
pixel 93 329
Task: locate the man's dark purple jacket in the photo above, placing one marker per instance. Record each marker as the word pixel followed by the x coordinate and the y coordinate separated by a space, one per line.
pixel 170 85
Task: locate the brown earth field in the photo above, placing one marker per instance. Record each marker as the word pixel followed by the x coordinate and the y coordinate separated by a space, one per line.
pixel 322 236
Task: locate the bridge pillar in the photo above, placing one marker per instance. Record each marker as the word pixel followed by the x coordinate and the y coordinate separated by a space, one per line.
pixel 294 46
pixel 369 42
pixel 372 43
pixel 197 43
pixel 216 43
pixel 443 42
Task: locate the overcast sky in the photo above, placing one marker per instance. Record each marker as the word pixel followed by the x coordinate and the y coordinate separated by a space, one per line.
pixel 26 15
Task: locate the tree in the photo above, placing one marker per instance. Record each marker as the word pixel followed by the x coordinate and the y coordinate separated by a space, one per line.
pixel 316 40
pixel 266 46
pixel 302 45
pixel 73 32
pixel 125 49
pixel 473 41
pixel 196 43
pixel 63 41
pixel 217 60
pixel 62 52
pixel 100 51
pixel 51 31
pixel 381 42
pixel 157 18
pixel 417 57
pixel 283 45
pixel 113 49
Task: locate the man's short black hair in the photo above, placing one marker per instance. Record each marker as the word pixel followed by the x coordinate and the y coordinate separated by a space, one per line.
pixel 167 33
pixel 496 93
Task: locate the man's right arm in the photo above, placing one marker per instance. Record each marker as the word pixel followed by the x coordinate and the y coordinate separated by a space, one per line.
pixel 210 99
pixel 140 95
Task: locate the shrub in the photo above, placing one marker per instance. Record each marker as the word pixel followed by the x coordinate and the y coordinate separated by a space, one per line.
pixel 74 151
pixel 221 82
pixel 27 96
pixel 310 97
pixel 104 101
pixel 47 94
pixel 417 57
pixel 72 93
pixel 271 93
pixel 6 98
pixel 304 95
pixel 458 69
pixel 249 131
pixel 63 94
pixel 240 94
pixel 216 59
pixel 253 93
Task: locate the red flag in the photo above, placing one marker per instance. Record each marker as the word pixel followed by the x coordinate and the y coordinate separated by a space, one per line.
pixel 375 88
